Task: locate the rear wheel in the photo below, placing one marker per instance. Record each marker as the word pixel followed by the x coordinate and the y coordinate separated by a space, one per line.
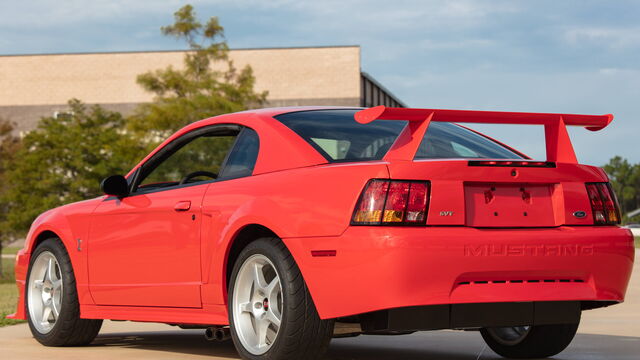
pixel 52 305
pixel 527 342
pixel 271 312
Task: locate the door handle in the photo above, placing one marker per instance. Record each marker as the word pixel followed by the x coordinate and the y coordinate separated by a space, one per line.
pixel 182 205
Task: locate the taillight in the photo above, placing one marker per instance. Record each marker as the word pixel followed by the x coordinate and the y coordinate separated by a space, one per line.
pixel 597 206
pixel 418 201
pixel 392 202
pixel 604 205
pixel 371 204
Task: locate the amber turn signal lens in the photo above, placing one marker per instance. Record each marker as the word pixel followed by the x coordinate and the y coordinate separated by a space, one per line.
pixel 392 202
pixel 604 204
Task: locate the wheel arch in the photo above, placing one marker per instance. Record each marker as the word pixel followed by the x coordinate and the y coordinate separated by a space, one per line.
pixel 243 237
pixel 59 227
pixel 42 236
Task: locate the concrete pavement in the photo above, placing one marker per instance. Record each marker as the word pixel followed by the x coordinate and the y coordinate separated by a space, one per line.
pixel 158 342
pixel 612 334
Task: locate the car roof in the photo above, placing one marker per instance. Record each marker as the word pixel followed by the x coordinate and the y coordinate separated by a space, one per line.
pixel 281 148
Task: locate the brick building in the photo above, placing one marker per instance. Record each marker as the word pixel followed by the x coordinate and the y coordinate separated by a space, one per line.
pixel 32 86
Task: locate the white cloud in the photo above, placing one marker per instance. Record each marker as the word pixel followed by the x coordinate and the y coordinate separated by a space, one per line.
pixel 376 16
pixel 56 13
pixel 606 36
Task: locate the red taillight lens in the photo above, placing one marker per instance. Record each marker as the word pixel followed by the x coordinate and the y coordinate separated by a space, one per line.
pixel 603 204
pixel 417 207
pixel 396 202
pixel 610 203
pixel 392 202
pixel 596 204
pixel 369 209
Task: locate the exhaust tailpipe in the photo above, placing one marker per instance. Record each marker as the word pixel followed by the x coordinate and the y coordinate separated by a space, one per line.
pixel 217 334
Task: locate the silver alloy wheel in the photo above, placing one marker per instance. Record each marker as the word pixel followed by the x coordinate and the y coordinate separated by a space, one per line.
pixel 257 304
pixel 45 292
pixel 509 336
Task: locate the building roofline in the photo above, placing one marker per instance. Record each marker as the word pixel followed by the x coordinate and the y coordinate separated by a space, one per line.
pixel 176 51
pixel 387 91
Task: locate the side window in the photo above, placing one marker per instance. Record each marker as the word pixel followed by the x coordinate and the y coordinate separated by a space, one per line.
pixel 199 159
pixel 243 157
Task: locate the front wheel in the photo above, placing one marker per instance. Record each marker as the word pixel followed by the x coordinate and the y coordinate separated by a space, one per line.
pixel 52 299
pixel 528 342
pixel 271 312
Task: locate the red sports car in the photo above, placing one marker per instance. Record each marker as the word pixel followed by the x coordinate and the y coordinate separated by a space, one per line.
pixel 282 228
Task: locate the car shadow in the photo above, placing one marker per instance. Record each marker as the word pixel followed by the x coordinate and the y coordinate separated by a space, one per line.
pixel 179 341
pixel 436 345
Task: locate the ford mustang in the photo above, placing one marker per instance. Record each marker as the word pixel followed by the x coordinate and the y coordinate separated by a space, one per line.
pixel 282 228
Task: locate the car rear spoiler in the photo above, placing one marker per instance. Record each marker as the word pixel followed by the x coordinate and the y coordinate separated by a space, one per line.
pixel 558 144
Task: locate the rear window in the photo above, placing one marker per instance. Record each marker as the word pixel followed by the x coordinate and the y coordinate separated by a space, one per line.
pixel 451 141
pixel 338 137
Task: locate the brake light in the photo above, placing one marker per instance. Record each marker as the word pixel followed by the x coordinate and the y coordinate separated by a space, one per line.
pixel 596 204
pixel 611 207
pixel 392 202
pixel 418 200
pixel 512 163
pixel 396 202
pixel 604 204
pixel 369 208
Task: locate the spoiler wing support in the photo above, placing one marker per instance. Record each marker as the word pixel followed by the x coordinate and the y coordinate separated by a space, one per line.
pixel 558 143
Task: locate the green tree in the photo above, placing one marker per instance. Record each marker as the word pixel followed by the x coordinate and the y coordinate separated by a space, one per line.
pixel 63 161
pixel 625 180
pixel 9 144
pixel 207 85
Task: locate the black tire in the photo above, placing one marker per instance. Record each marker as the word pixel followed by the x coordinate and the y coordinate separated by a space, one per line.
pixel 302 334
pixel 540 342
pixel 69 329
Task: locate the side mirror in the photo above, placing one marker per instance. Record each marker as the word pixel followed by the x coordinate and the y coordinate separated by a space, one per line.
pixel 115 185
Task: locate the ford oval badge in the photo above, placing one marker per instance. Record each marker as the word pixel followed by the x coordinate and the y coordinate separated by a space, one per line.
pixel 580 214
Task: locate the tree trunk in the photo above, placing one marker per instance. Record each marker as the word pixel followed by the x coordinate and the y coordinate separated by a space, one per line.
pixel 1 273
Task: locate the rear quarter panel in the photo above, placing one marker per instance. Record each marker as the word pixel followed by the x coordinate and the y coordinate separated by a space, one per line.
pixel 298 203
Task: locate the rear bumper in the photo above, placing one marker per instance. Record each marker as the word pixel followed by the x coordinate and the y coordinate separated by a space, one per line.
pixel 378 268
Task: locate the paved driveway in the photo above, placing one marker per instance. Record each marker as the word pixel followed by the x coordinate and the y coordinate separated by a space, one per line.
pixel 612 333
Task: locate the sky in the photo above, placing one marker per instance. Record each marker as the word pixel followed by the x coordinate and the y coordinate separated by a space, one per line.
pixel 571 56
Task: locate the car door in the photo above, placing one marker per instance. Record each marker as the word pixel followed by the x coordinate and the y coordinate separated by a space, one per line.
pixel 144 249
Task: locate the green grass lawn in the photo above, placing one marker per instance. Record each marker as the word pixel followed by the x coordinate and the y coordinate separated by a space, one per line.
pixel 8 300
pixel 637 241
pixel 8 274
pixel 8 292
pixel 12 250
